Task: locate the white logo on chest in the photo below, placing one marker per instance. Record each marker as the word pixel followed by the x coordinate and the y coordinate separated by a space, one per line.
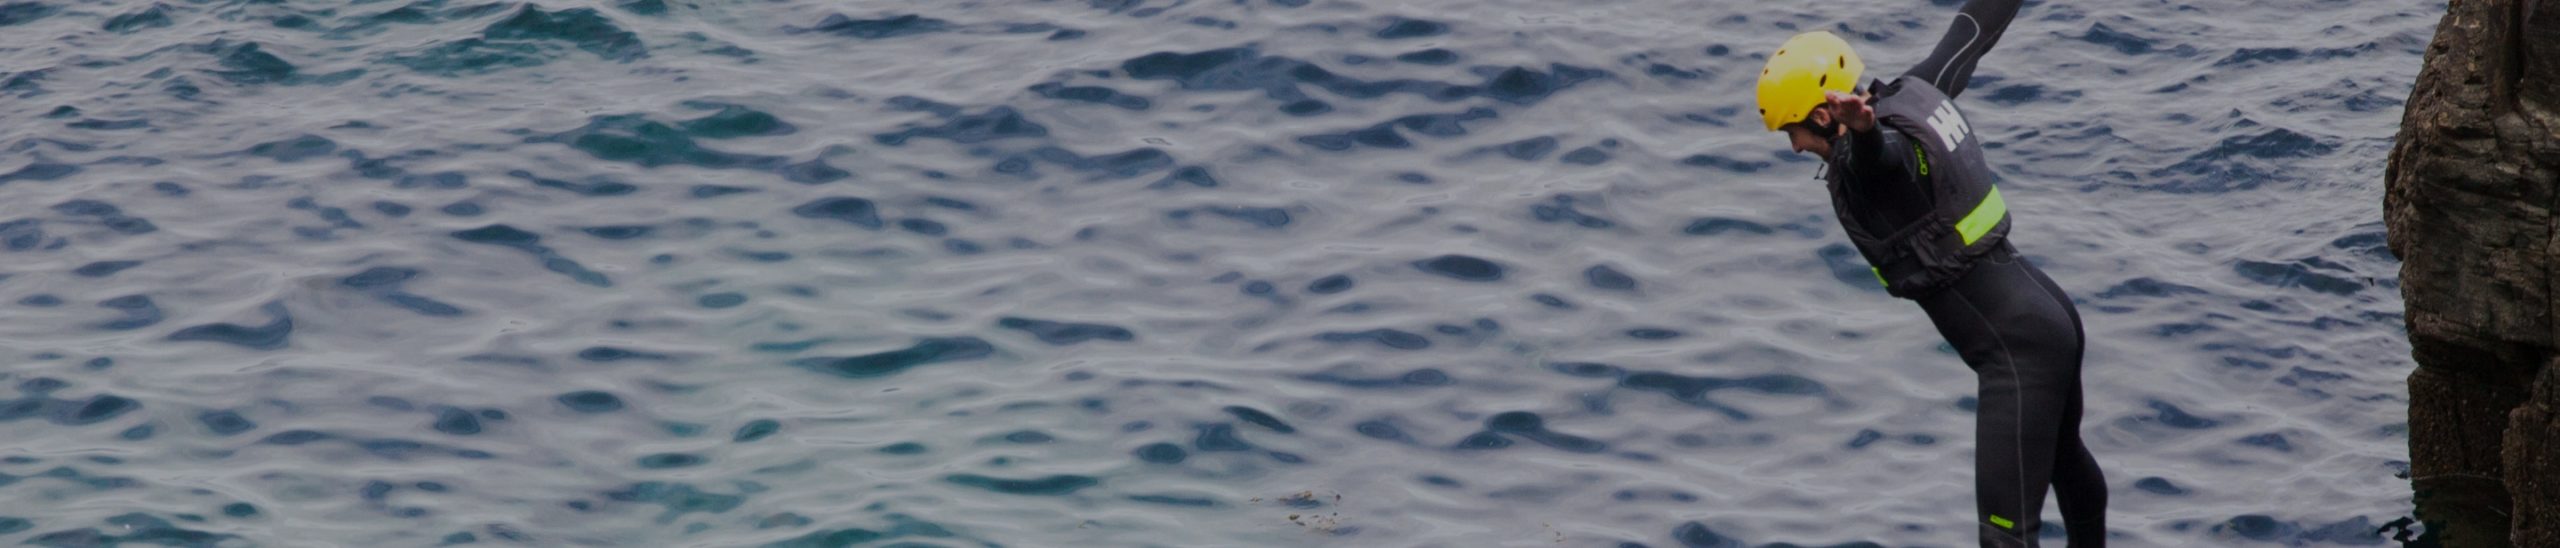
pixel 1950 125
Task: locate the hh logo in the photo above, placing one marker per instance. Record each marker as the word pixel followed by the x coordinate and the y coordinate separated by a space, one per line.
pixel 1950 125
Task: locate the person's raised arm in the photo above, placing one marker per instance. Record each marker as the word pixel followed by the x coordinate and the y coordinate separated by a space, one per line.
pixel 1977 26
pixel 1874 155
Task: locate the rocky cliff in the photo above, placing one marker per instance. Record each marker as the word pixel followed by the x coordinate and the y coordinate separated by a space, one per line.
pixel 2470 193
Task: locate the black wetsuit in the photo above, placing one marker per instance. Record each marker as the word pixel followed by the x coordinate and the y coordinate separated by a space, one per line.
pixel 2015 329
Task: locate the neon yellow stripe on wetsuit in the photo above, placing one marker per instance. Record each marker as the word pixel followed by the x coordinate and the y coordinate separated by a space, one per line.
pixel 1984 216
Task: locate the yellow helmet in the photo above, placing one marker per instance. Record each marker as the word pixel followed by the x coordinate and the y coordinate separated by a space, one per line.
pixel 1805 67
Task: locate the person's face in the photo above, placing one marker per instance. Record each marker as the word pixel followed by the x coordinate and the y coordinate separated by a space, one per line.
pixel 1800 135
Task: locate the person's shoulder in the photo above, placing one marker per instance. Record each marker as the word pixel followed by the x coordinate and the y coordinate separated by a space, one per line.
pixel 1884 89
pixel 1881 87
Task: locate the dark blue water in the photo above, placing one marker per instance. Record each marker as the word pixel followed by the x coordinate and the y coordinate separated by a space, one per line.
pixel 1148 273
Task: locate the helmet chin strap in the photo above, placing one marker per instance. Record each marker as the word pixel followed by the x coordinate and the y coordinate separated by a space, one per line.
pixel 1827 131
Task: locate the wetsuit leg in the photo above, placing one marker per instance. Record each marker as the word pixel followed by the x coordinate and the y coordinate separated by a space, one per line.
pixel 2078 485
pixel 2023 341
pixel 2081 489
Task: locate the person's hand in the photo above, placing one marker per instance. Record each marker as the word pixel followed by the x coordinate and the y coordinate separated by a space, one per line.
pixel 1851 110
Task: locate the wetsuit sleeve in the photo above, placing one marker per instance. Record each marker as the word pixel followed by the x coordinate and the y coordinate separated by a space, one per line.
pixel 1880 155
pixel 1977 26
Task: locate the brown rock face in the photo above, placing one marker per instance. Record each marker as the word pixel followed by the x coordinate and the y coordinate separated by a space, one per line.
pixel 2469 197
